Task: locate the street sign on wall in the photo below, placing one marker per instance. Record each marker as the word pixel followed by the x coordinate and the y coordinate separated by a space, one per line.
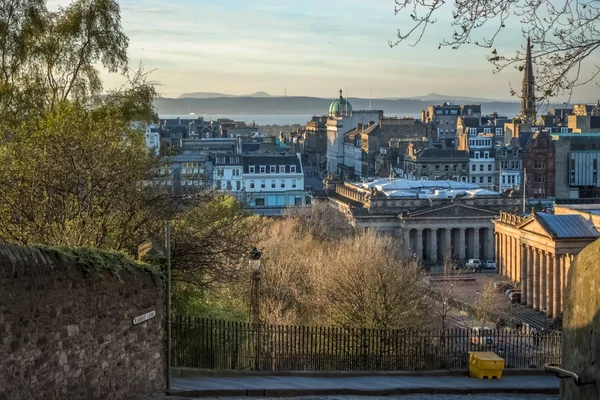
pixel 144 317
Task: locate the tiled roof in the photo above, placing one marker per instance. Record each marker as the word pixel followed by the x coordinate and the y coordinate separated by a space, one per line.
pixel 567 226
pixel 430 153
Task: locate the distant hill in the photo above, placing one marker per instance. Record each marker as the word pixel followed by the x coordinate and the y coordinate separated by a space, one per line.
pixel 450 98
pixel 305 105
pixel 209 95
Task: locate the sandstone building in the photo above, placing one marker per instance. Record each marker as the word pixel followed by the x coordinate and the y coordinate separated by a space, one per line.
pixel 432 219
pixel 537 252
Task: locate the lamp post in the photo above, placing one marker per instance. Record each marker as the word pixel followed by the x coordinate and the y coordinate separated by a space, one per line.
pixel 255 255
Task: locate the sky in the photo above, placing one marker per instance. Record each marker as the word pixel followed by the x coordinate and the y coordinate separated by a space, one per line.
pixel 304 48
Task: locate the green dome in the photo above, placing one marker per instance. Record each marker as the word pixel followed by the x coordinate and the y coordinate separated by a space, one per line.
pixel 340 106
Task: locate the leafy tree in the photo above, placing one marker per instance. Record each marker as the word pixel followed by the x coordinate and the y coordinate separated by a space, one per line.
pixel 564 35
pixel 50 57
pixel 74 167
pixel 211 241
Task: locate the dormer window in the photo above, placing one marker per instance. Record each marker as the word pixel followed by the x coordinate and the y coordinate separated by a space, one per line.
pixel 272 169
pixel 251 169
pixel 293 169
pixel 263 169
pixel 473 131
pixel 477 154
pixel 282 169
pixel 486 154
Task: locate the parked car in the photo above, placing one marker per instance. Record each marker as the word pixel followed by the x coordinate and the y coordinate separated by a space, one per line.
pixel 482 335
pixel 489 264
pixel 474 264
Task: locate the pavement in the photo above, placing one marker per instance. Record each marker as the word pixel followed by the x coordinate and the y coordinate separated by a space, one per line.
pixel 292 386
pixel 517 312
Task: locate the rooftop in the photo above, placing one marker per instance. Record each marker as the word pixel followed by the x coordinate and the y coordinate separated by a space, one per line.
pixel 567 226
pixel 445 189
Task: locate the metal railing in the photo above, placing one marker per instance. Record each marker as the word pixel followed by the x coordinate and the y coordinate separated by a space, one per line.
pixel 226 345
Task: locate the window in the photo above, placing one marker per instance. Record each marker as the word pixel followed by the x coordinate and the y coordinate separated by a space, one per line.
pixel 252 184
pixel 473 131
pixel 229 187
pixel 503 178
pixel 473 179
pixel 272 169
pixel 446 168
pixel 539 179
pixel 282 184
pixel 487 130
pixel 437 167
pixel 263 184
pixel 489 167
pixel 282 169
pixel 477 154
pixel 273 184
pixel 221 160
pixel 293 169
pixel 263 169
pixel 238 185
pixel 564 130
pixel 498 131
pixel 251 169
pixel 503 153
pixel 481 167
pixel 293 183
pixel 515 153
pixel 539 165
pixel 219 171
pixel 473 167
pixel 260 202
pixel 481 179
pixel 486 154
pixel 489 179
pixel 455 167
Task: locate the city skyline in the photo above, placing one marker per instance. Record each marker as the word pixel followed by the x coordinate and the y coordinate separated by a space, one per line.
pixel 306 48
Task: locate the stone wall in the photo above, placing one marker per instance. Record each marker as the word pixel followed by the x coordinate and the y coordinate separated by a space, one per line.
pixel 66 333
pixel 581 325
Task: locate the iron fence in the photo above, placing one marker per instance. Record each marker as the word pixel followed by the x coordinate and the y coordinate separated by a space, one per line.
pixel 226 345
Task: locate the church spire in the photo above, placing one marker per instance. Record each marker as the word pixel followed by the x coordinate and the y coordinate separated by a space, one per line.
pixel 528 91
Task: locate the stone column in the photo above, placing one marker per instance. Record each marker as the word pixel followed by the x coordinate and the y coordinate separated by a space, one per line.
pixel 549 284
pixel 497 252
pixel 489 234
pixel 524 290
pixel 536 279
pixel 433 245
pixel 447 242
pixel 509 254
pixel 519 260
pixel 503 254
pixel 542 280
pixel 476 252
pixel 563 278
pixel 529 251
pixel 461 244
pixel 406 240
pixel 419 244
pixel 556 285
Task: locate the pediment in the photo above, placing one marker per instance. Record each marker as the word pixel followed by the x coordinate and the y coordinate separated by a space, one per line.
pixel 533 226
pixel 453 211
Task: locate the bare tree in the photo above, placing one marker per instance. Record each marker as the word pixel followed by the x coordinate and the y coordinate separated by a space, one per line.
pixel 488 307
pixel 564 34
pixel 372 285
pixel 322 221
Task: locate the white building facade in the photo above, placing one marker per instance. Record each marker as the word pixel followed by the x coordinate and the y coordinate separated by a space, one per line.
pixel 482 162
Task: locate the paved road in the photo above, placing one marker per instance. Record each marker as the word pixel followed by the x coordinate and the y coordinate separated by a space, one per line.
pixel 281 386
pixel 407 397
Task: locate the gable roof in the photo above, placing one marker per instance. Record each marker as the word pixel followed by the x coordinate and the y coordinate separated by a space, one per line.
pixel 567 226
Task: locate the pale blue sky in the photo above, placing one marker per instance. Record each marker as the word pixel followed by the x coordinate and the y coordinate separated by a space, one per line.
pixel 312 47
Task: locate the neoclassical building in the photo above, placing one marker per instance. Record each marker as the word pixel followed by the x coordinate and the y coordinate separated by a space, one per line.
pixel 537 252
pixel 432 219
